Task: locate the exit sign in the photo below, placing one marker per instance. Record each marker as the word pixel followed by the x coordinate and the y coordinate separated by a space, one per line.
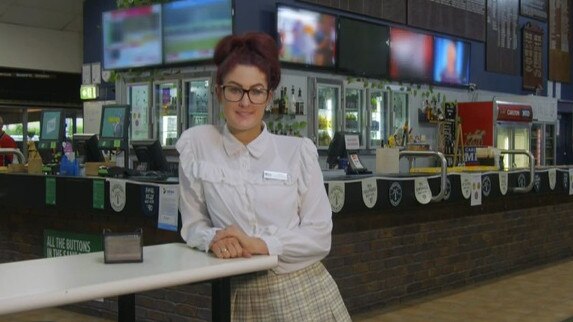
pixel 89 92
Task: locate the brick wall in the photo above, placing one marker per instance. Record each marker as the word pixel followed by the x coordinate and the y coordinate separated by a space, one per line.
pixel 377 259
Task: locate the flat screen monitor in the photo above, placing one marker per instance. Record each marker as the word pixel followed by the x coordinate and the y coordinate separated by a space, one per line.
pixel 52 130
pixel 86 148
pixel 192 28
pixel 132 37
pixel 411 55
pixel 150 155
pixel 114 127
pixel 306 37
pixel 451 61
pixel 363 48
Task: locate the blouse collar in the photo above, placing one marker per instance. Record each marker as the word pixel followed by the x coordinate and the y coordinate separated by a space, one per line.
pixel 256 147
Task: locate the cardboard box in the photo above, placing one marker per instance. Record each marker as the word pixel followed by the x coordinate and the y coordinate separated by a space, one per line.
pixel 91 168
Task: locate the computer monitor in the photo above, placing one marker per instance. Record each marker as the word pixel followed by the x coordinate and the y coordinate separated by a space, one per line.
pixel 451 61
pixel 86 148
pixel 52 130
pixel 150 153
pixel 115 120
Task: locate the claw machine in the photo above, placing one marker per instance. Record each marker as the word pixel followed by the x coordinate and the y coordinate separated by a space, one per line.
pixel 197 100
pixel 328 112
pixel 504 125
pixel 139 99
pixel 354 113
pixel 166 125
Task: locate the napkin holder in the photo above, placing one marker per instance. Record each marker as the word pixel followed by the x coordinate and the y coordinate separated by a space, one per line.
pixel 123 247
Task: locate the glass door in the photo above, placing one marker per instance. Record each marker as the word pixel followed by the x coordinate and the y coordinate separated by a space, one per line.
pixel 399 118
pixel 549 144
pixel 328 107
pixel 166 106
pixel 377 126
pixel 521 142
pixel 138 98
pixel 353 113
pixel 503 142
pixel 197 98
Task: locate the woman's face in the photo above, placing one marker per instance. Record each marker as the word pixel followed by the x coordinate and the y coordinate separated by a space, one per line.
pixel 244 118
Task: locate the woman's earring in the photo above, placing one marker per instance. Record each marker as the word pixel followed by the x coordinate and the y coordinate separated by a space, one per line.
pixel 268 108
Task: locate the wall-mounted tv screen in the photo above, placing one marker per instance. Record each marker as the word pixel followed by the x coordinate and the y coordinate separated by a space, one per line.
pixel 114 127
pixel 451 61
pixel 192 28
pixel 411 55
pixel 363 48
pixel 132 37
pixel 306 37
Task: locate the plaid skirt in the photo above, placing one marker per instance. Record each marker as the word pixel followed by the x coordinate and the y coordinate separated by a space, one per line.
pixel 309 294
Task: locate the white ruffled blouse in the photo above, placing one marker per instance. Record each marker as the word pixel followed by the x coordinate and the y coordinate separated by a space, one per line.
pixel 271 188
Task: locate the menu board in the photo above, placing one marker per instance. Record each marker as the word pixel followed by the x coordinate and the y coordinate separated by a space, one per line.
pixel 536 9
pixel 463 18
pixel 559 40
pixel 502 55
pixel 391 10
pixel 532 57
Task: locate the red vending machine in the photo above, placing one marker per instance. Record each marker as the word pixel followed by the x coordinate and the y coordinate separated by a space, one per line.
pixel 504 125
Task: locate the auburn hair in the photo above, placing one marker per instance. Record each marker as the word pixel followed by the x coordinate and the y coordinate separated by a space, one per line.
pixel 253 49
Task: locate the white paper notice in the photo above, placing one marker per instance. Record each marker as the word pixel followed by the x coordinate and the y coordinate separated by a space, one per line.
pixel 476 189
pixel 168 207
pixel 422 190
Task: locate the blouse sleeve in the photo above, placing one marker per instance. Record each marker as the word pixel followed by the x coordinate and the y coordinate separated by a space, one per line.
pixel 310 240
pixel 196 227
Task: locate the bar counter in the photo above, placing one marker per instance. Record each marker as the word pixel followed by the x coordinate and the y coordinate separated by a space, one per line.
pixel 389 245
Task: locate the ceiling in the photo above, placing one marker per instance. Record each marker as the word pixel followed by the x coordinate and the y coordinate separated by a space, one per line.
pixel 60 15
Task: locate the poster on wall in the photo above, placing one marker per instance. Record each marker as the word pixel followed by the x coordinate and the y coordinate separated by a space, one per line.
pixel 502 55
pixel 559 41
pixel 391 10
pixel 536 9
pixel 463 18
pixel 532 52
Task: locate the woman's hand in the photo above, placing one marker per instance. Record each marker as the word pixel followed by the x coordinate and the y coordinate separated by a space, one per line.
pixel 228 248
pixel 237 239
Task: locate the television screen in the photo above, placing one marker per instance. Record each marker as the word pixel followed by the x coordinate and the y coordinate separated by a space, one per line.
pixel 363 48
pixel 451 61
pixel 306 37
pixel 150 155
pixel 411 55
pixel 192 28
pixel 114 126
pixel 132 37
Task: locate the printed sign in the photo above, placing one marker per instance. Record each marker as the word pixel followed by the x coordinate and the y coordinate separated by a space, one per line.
pixel 503 183
pixel 149 200
pixel 336 195
pixel 422 190
pixel 466 185
pixel 168 207
pixel 369 192
pixel 552 174
pixel 514 112
pixel 570 181
pixel 117 194
pixel 476 189
pixel 62 243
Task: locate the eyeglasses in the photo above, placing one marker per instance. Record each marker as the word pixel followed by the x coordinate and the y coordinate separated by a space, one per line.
pixel 235 94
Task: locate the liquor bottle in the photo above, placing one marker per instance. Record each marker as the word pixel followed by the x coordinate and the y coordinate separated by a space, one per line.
pixel 299 103
pixel 292 102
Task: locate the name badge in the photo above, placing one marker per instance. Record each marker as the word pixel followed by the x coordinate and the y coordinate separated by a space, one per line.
pixel 272 175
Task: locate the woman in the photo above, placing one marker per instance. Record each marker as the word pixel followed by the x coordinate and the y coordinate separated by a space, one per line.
pixel 245 191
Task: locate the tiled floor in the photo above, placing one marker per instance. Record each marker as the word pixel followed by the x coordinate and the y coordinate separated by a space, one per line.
pixel 538 295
